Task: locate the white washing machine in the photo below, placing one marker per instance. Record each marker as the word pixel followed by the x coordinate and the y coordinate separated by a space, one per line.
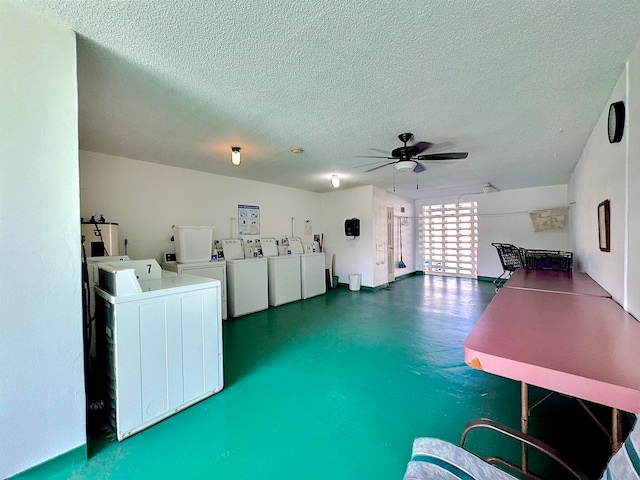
pixel 92 264
pixel 161 342
pixel 284 274
pixel 247 281
pixel 92 271
pixel 312 269
pixel 216 269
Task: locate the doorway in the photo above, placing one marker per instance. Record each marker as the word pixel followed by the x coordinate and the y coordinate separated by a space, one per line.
pixel 391 276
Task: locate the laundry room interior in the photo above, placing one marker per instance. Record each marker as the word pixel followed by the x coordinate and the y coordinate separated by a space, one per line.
pixel 287 140
pixel 147 199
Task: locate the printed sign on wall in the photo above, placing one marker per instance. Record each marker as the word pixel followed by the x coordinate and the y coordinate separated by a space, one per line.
pixel 248 220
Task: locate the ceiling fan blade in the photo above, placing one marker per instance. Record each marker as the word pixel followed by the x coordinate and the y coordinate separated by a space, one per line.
pixel 372 163
pixel 444 156
pixel 386 152
pixel 379 166
pixel 371 156
pixel 442 146
pixel 450 161
pixel 419 147
pixel 419 168
pixel 410 150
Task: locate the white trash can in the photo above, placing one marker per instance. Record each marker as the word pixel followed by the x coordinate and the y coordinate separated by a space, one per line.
pixel 354 281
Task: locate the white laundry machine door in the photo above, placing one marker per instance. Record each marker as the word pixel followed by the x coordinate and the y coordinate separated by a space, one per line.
pixel 247 286
pixel 312 275
pixel 284 279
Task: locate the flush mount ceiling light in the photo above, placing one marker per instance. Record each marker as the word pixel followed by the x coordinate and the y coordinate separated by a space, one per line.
pixel 296 149
pixel 335 181
pixel 235 156
pixel 405 165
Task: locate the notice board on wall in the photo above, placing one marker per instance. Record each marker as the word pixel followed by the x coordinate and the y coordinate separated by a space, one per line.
pixel 550 219
pixel 248 220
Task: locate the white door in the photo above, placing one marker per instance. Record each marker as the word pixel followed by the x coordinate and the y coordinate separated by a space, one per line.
pixel 390 250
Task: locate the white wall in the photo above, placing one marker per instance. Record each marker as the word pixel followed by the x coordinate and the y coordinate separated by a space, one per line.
pixel 611 171
pixel 366 254
pixel 352 255
pixel 503 217
pixel 146 199
pixel 600 175
pixel 632 266
pixel 42 399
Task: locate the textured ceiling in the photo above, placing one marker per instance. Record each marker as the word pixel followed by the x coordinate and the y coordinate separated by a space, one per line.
pixel 519 84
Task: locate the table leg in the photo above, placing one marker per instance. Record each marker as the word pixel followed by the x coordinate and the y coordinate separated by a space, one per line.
pixel 616 429
pixel 524 423
pixel 616 425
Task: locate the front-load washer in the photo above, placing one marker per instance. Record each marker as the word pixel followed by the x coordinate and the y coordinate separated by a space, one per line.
pixel 216 269
pixel 284 274
pixel 312 269
pixel 247 281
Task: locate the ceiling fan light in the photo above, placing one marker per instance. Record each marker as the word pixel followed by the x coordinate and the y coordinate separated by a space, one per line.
pixel 235 156
pixel 335 181
pixel 405 165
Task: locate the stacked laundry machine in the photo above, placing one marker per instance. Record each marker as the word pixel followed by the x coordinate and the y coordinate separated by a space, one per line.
pixel 312 268
pixel 247 278
pixel 283 272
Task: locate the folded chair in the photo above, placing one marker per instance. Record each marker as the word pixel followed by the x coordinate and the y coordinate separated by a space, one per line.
pixel 435 459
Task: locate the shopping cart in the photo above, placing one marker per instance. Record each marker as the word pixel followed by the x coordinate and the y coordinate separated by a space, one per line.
pixel 510 258
pixel 548 260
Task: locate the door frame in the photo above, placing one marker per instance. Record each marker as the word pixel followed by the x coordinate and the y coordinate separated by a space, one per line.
pixel 391 257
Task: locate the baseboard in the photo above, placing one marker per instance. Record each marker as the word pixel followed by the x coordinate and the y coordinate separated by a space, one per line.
pixel 486 279
pixel 55 465
pixel 375 289
pixel 407 275
pixel 384 285
pixel 362 287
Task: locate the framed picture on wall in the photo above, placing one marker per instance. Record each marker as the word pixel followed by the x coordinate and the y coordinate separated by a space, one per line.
pixel 604 233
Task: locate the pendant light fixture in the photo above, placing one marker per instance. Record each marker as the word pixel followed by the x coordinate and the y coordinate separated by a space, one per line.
pixel 235 156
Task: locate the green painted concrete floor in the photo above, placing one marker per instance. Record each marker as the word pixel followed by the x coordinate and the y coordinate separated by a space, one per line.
pixel 337 387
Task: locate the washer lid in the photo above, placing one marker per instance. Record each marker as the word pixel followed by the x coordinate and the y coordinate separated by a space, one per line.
pixel 269 247
pixel 232 248
pixel 295 244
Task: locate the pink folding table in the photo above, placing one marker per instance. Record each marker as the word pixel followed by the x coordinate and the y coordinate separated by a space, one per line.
pixel 583 346
pixel 575 283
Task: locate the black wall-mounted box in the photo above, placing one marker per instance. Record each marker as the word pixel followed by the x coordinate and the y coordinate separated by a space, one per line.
pixel 352 227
